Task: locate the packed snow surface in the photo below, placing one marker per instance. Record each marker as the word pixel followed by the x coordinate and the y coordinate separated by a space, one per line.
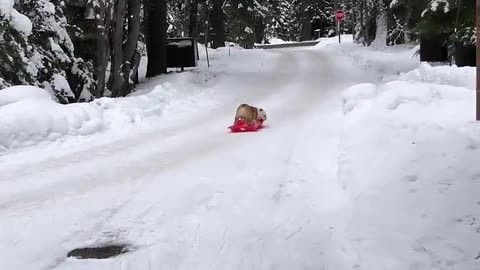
pixel 369 160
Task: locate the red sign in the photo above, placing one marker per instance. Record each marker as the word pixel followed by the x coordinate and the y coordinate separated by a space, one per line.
pixel 340 15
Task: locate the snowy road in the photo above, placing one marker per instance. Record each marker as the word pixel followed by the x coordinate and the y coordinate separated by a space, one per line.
pixel 191 196
pixel 368 162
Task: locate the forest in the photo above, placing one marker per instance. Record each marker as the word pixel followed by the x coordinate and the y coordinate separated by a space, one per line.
pixel 86 49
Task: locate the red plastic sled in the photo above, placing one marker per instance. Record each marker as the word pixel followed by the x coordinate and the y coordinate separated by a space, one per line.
pixel 241 126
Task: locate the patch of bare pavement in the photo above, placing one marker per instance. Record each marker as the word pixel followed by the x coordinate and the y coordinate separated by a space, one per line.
pixel 98 252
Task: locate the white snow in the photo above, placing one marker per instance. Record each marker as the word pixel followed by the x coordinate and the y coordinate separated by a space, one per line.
pixel 354 94
pixel 455 76
pixel 6 7
pixel 22 92
pixel 21 23
pixel 393 3
pixel 18 21
pixel 30 121
pixel 409 158
pixel 276 40
pixel 434 4
pixel 60 85
pixel 49 7
pixel 181 44
pixel 369 160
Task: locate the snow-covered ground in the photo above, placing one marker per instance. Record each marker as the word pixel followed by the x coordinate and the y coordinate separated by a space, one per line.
pixel 367 162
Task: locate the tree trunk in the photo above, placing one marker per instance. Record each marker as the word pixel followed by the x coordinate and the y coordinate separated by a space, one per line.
pixel 117 48
pixel 259 29
pixel 394 21
pixel 361 24
pixel 103 26
pixel 193 23
pixel 477 57
pixel 407 19
pixel 156 37
pixel 218 24
pixel 133 16
pixel 306 18
pixel 354 18
pixel 364 20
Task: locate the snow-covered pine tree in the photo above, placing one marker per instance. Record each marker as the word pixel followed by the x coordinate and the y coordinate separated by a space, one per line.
pixel 14 30
pixel 323 16
pixel 292 26
pixel 275 19
pixel 177 12
pixel 453 18
pixel 52 52
pixel 240 16
pixel 451 22
pixel 296 20
pixel 281 19
pixel 365 14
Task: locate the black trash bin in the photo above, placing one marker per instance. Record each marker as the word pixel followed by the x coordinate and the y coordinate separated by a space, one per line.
pixel 433 49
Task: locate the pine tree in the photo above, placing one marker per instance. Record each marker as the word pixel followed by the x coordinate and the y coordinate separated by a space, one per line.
pixel 177 12
pixel 240 23
pixel 44 57
pixel 445 17
pixel 15 68
pixel 156 35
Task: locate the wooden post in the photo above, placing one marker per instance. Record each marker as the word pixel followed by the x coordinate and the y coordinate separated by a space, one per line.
pixel 477 23
pixel 338 30
pixel 196 48
pixel 206 37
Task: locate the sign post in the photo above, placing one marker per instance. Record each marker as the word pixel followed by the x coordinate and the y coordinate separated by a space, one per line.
pixel 339 16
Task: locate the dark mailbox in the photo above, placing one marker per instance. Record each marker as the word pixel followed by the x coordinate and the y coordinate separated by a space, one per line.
pixel 181 52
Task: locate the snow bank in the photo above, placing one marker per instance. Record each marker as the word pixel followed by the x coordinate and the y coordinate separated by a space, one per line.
pixel 409 155
pixel 22 92
pixel 409 159
pixel 355 94
pixel 30 121
pixel 29 115
pixel 438 104
pixel 370 64
pixel 449 75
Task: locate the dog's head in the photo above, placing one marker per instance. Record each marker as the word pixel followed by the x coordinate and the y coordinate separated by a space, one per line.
pixel 262 114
